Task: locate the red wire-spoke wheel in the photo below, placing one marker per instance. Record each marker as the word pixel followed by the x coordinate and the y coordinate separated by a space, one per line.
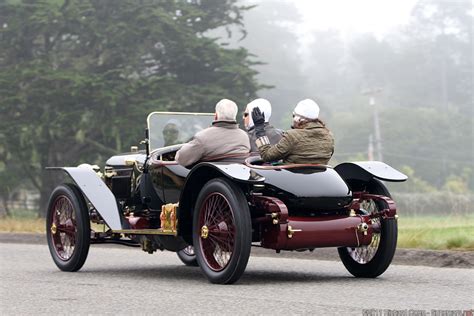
pixel 372 260
pixel 216 219
pixel 222 231
pixel 63 227
pixel 68 227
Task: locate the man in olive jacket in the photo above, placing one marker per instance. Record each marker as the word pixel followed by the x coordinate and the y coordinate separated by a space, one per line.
pixel 308 142
pixel 222 139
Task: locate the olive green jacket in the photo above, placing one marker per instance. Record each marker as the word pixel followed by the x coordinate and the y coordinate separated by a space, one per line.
pixel 312 144
pixel 273 134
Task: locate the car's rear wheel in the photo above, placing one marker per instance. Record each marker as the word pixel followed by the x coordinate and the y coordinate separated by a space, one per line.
pixel 222 231
pixel 187 256
pixel 372 260
pixel 68 228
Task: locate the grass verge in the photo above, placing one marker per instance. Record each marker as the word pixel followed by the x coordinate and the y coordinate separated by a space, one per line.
pixel 453 232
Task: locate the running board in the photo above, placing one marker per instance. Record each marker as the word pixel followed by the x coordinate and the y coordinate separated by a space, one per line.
pixel 129 243
pixel 145 232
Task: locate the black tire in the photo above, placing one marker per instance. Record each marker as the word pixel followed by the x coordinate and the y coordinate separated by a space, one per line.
pixel 187 256
pixel 386 245
pixel 224 252
pixel 68 211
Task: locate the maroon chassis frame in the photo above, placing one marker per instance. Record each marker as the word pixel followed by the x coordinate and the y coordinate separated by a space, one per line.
pixel 280 231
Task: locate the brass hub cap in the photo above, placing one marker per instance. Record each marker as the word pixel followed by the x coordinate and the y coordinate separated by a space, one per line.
pixel 54 229
pixel 204 231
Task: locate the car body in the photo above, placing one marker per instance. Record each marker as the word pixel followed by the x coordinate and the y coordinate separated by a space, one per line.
pixel 213 212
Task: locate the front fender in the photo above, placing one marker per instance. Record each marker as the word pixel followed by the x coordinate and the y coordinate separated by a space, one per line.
pixel 195 180
pixel 234 171
pixel 367 170
pixel 98 194
pixel 205 171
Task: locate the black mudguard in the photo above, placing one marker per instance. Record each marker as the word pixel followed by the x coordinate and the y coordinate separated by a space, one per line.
pixel 205 171
pixel 198 176
pixel 365 171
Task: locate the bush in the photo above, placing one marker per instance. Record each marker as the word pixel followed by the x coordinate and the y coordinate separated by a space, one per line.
pixel 440 202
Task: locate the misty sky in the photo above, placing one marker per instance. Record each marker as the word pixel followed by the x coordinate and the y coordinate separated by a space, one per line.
pixel 349 17
pixel 375 16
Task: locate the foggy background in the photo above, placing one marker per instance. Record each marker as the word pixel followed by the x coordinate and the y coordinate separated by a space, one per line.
pixel 413 58
pixel 75 91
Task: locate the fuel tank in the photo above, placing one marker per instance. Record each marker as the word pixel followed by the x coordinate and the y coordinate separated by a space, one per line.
pixel 307 189
pixel 309 233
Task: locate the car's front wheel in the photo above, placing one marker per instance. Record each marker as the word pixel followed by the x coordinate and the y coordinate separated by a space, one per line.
pixel 68 228
pixel 222 231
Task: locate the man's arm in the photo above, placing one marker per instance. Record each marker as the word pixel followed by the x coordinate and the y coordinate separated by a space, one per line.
pixel 268 152
pixel 277 151
pixel 190 153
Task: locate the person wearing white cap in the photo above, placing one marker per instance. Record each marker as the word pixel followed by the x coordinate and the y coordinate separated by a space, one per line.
pixel 274 134
pixel 223 140
pixel 309 140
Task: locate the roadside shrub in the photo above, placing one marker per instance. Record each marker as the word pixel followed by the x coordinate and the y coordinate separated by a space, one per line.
pixel 434 203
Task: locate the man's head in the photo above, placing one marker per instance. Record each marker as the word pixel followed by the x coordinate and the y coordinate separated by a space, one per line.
pixel 226 110
pixel 171 133
pixel 305 111
pixel 264 106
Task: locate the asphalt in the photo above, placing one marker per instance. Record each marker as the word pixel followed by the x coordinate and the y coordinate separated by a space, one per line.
pixel 416 257
pixel 127 281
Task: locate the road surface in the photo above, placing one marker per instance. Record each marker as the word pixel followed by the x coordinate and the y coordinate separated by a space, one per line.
pixel 128 281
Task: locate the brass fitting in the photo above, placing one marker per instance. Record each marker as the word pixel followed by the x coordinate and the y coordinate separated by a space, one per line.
pixel 363 228
pixel 275 218
pixel 54 229
pixel 130 162
pixel 291 231
pixel 204 232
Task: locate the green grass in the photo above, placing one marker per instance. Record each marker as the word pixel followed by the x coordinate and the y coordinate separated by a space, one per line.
pixel 454 232
pixel 436 232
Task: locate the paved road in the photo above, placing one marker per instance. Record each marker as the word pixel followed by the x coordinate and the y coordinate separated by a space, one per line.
pixel 129 281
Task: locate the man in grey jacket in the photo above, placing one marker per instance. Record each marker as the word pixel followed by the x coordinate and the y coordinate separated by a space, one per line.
pixel 223 139
pixel 274 134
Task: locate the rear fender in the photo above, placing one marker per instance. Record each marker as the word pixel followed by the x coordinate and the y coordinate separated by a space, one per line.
pixel 98 194
pixel 365 171
pixel 198 176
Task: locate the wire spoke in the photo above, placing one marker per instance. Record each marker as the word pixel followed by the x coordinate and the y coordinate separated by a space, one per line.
pixel 364 254
pixel 218 245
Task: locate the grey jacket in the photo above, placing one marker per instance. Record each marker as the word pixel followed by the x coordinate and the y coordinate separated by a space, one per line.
pixel 222 138
pixel 273 134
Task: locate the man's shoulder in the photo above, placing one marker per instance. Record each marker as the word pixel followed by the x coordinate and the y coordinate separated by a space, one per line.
pixel 216 130
pixel 241 131
pixel 291 133
pixel 205 132
pixel 273 129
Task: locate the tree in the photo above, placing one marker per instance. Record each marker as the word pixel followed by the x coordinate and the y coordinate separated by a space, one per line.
pixel 79 76
pixel 437 54
pixel 271 37
pixel 415 137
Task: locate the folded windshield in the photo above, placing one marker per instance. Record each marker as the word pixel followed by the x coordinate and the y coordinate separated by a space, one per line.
pixel 171 128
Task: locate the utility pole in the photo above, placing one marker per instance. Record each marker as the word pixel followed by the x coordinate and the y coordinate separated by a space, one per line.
pixel 370 150
pixel 378 136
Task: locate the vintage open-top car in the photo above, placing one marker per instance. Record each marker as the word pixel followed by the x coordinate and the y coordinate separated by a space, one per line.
pixel 211 214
